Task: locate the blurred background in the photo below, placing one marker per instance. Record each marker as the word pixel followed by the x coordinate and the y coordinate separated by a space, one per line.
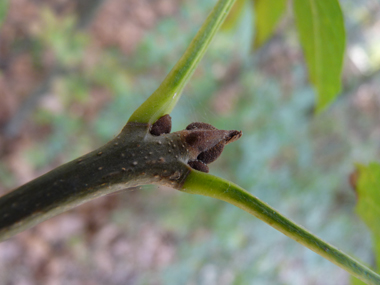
pixel 71 74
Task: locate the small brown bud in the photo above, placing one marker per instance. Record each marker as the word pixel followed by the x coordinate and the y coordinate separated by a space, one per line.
pixel 162 126
pixel 206 142
pixel 212 154
pixel 200 125
pixel 198 165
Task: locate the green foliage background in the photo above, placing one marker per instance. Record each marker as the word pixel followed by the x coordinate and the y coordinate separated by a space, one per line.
pixel 295 161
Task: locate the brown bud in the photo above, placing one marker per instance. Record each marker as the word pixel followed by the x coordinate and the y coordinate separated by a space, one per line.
pixel 200 125
pixel 162 126
pixel 205 142
pixel 198 165
pixel 212 154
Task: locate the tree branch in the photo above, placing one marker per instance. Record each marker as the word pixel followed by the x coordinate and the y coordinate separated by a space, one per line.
pixel 135 157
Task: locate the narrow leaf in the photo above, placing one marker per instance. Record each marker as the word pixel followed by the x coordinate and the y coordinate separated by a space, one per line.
pixel 234 16
pixel 163 100
pixel 215 187
pixel 355 281
pixel 267 15
pixel 321 31
pixel 368 206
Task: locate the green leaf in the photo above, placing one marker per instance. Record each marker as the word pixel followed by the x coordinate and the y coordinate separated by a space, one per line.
pixel 321 31
pixel 368 206
pixel 234 15
pixel 208 185
pixel 267 14
pixel 4 5
pixel 163 100
pixel 356 281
